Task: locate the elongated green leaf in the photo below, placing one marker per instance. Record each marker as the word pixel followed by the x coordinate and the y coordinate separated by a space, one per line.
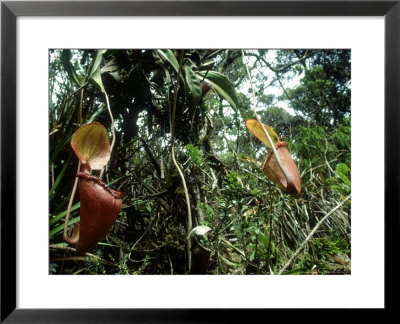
pixel 66 62
pixel 60 227
pixel 168 56
pixel 342 168
pixel 97 62
pixel 297 271
pixel 96 77
pixel 264 239
pixel 58 179
pixel 222 85
pixel 96 114
pixel 344 178
pixel 231 263
pixel 55 219
pixel 116 180
pixel 95 73
pixel 341 189
pixel 193 83
pixel 255 128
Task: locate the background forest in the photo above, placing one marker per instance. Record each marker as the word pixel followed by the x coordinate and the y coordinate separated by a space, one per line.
pixel 238 221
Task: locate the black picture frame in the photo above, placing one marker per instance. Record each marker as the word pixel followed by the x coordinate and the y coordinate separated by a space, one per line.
pixel 10 10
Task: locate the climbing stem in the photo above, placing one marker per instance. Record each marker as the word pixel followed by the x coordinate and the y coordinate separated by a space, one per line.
pixel 112 127
pixel 72 240
pixel 278 160
pixel 65 235
pixel 172 122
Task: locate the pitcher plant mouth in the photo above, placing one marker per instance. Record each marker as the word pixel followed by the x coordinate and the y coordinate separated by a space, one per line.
pixel 279 166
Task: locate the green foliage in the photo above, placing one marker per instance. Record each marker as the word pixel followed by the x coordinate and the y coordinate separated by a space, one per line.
pixel 193 83
pixel 325 248
pixel 342 135
pixel 144 265
pixel 321 146
pixel 323 94
pixel 342 171
pixel 94 265
pixel 194 154
pixel 265 249
pixel 325 257
pixel 222 85
pixel 53 268
pixel 169 56
pixel 233 187
pixel 66 61
pixel 341 182
pixel 312 143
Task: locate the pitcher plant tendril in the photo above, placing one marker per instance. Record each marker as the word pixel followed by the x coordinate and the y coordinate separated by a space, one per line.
pixel 288 177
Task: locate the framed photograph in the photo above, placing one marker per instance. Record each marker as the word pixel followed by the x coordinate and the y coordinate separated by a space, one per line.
pixel 160 158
